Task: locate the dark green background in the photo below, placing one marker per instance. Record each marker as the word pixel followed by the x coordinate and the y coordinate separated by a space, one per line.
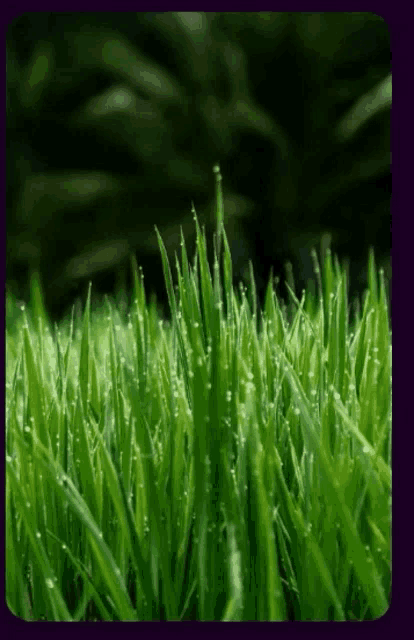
pixel 114 122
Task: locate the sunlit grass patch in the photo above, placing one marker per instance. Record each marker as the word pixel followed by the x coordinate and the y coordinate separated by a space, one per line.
pixel 233 464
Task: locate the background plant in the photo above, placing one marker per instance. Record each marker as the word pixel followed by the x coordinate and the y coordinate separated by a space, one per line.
pixel 115 119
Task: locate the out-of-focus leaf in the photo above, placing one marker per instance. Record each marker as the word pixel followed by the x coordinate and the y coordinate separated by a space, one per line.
pixel 250 116
pixel 120 115
pixel 236 61
pixel 325 33
pixel 116 54
pixel 38 75
pixel 374 164
pixel 119 99
pixel 97 258
pixel 194 23
pixel 192 30
pixel 44 195
pixel 368 105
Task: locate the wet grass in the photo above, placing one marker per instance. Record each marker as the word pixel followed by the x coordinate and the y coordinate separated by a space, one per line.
pixel 232 464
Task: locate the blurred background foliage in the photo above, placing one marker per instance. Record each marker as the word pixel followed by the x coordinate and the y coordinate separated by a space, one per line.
pixel 115 120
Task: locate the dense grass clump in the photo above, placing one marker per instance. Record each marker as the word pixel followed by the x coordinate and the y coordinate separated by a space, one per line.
pixel 230 465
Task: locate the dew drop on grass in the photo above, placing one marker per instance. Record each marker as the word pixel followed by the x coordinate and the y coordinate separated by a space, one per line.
pixel 38 534
pixel 49 583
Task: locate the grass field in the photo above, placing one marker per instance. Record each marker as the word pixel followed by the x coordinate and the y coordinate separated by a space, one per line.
pixel 233 464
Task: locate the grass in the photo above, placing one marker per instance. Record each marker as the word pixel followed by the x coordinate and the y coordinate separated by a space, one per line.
pixel 228 465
